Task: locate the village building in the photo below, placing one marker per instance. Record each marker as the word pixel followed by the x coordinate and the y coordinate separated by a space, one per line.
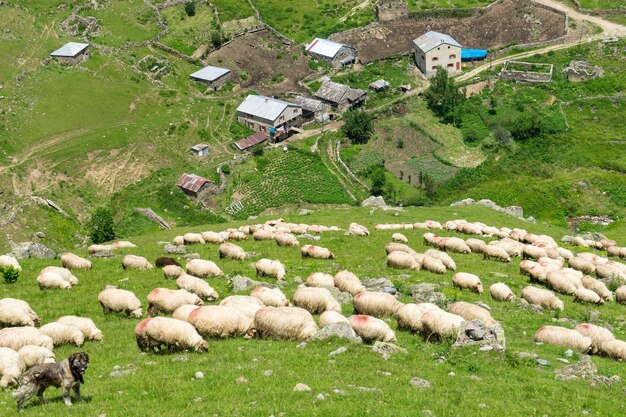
pixel 214 77
pixel 311 108
pixel 71 53
pixel 390 10
pixel 336 54
pixel 434 49
pixel 193 185
pixel 379 85
pixel 339 96
pixel 250 141
pixel 200 150
pixel 275 118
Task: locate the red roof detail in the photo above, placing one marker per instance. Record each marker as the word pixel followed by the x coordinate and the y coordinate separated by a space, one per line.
pixel 192 182
pixel 250 141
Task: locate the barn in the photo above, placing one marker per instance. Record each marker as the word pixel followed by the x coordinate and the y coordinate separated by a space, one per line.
pixel 335 54
pixel 214 77
pixel 192 184
pixel 71 53
pixel 433 50
pixel 339 96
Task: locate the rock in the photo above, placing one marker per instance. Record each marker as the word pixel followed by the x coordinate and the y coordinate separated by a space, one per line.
pixel 464 202
pixel 419 382
pixel 103 254
pixel 428 413
pixel 385 373
pixel 486 348
pixel 241 380
pixel 121 372
pixel 124 279
pixel 451 373
pixel 365 389
pixel 338 391
pixel 175 249
pixel 40 235
pixel 338 351
pixel 297 280
pixel 427 293
pixel 301 345
pixel 300 387
pixel 584 369
pixel 239 283
pixel 594 316
pixel 527 355
pixel 385 349
pixel 543 362
pixel 193 256
pixel 523 303
pixel 474 332
pixel 608 381
pixel 562 360
pixel 341 330
pixel 483 305
pixel 342 297
pixel 26 250
pixel 269 372
pixel 475 377
pixel 181 358
pixel 377 284
pixel 198 375
pixel 536 309
pixel 305 212
pixel 373 201
pixel 110 287
pixel 308 236
pixel 320 397
pixel 482 405
pixel 569 353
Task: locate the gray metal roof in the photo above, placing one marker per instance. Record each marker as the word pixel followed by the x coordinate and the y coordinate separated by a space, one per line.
pixel 338 93
pixel 210 73
pixel 309 104
pixel 325 47
pixel 264 107
pixel 70 49
pixel 431 40
pixel 380 84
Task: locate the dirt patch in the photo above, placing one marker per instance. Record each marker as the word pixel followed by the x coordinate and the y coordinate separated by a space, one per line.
pixel 114 170
pixel 519 21
pixel 263 62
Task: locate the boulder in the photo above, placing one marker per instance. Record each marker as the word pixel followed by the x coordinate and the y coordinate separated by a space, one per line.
pixel 385 349
pixel 175 249
pixel 427 293
pixel 239 283
pixel 380 285
pixel 341 330
pixel 475 332
pixel 26 250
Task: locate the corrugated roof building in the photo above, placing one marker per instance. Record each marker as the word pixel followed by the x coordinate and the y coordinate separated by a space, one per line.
pixel 268 115
pixel 213 76
pixel 201 149
pixel 250 141
pixel 192 184
pixel 71 53
pixel 340 96
pixel 434 49
pixel 336 54
pixel 310 106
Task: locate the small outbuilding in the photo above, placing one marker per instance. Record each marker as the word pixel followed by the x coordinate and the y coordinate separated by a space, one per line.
pixel 71 53
pixel 339 96
pixel 250 141
pixel 336 54
pixel 433 50
pixel 192 184
pixel 311 108
pixel 214 77
pixel 379 85
pixel 200 150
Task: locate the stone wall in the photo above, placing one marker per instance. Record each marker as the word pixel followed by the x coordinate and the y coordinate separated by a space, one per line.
pixel 390 10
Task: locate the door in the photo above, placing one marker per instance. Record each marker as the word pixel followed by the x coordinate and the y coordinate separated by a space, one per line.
pixel 458 66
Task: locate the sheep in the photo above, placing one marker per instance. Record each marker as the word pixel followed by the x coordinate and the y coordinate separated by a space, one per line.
pixel 86 326
pixel 237 235
pixel 357 230
pixel 62 333
pixel 315 300
pixel 317 252
pixel 410 316
pixel 431 239
pixel 398 247
pixel 403 260
pixel 501 292
pixel 432 224
pixel 598 287
pixel 17 337
pixel 620 294
pixel 476 245
pixel 248 299
pixel 23 305
pixel 445 259
pixel 221 322
pixel 614 251
pixel 472 312
pixel 539 274
pixel 52 280
pixel 116 300
pixel 36 355
pixel 441 323
pixel 399 238
pixel 346 281
pixel 609 272
pixel 377 304
pixel 212 237
pixel 232 251
pixel 320 279
pixel 525 266
pixel 135 262
pixel 163 300
pixel 464 280
pixel 6 261
pixel 389 227
pixel 582 265
pixel 152 333
pixel 286 239
pixel 65 273
pixel 172 271
pixel 432 265
pixel 587 296
pixel 163 261
pixel 182 312
pixel 16 313
pixel 269 268
pixel 565 253
pixel 510 246
pixel 615 349
pixel 329 317
pixel 541 297
pixel 496 252
pixel 471 229
pixel 618 265
pixel 560 336
pixel 550 264
pixel 123 244
pixel 593 258
pixel 71 261
pixel 533 252
pixel 93 249
pixel 371 329
pixel 455 244
pixel 249 310
pixel 597 334
pixel 560 282
pixel 193 238
pixel 197 286
pixel 607 243
pixel 270 296
pixel 284 323
pixel 11 367
pixel 203 269
pixel 178 241
pixel 245 229
pixel 263 235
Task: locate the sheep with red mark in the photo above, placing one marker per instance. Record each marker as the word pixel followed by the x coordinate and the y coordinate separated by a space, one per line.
pixel 221 322
pixel 164 300
pixel 270 268
pixel 346 281
pixel 153 334
pixel 203 269
pixel 320 279
pixel 410 316
pixel 566 338
pixel 377 304
pixel 120 301
pixel 182 312
pixel 371 329
pixel 542 298
pixel 271 296
pixel 315 300
pixel 284 323
pixel 467 281
pixel 434 225
pixel 197 286
pixel 316 252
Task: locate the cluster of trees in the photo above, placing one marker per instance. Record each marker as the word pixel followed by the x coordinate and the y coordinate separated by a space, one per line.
pixel 444 98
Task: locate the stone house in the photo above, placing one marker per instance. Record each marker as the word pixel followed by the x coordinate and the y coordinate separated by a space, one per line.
pixel 72 53
pixel 271 116
pixel 214 77
pixel 339 96
pixel 434 49
pixel 336 54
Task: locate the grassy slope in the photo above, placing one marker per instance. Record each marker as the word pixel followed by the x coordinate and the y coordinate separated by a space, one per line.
pixel 159 385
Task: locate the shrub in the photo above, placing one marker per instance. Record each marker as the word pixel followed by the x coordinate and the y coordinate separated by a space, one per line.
pixel 190 8
pixel 225 169
pixel 358 126
pixel 377 176
pixel 400 144
pixel 257 150
pixel 10 274
pixel 216 38
pixel 101 226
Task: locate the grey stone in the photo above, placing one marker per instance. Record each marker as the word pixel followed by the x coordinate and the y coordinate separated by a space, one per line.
pixel 365 389
pixel 464 202
pixel 523 303
pixel 198 375
pixel 301 345
pixel 428 413
pixel 305 212
pixel 543 362
pixel 175 249
pixel 26 250
pixel 562 377
pixel 297 280
pixel 342 297
pixel 320 397
pixel 594 316
pixel 40 235
pixel 338 391
pixel 499 275
pixel 377 284
pixel 385 349
pixel 569 353
pixel 562 360
pixel 239 283
pixel 486 348
pixel 584 369
pixel 110 287
pixel 475 332
pixel 427 293
pixel 119 372
pixel 241 380
pixel 475 377
pixel 124 279
pixel 308 236
pixel 483 305
pixel 419 382
pixel 193 256
pixel 451 373
pixel 103 254
pixel 341 330
pixel 269 372
pixel 338 351
pixel 300 387
pixel 181 358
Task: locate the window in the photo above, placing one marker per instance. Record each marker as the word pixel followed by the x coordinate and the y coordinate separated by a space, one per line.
pixel 448 47
pixel 439 49
pixel 453 56
pixel 282 118
pixel 263 129
pixel 450 65
pixel 435 59
pixel 434 67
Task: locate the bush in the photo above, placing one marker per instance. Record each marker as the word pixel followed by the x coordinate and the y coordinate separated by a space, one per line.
pixel 225 169
pixel 257 150
pixel 358 126
pixel 190 8
pixel 101 226
pixel 444 98
pixel 377 176
pixel 216 38
pixel 10 274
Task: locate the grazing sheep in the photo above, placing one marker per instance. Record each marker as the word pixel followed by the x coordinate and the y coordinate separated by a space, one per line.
pixel 17 337
pixel 163 261
pixel 607 243
pixel 455 244
pixel 582 265
pixel 12 366
pixel 501 292
pixel 315 300
pixel 472 312
pixel 618 265
pixel 154 333
pixel 346 281
pixel 357 230
pixel 620 294
pixel 431 239
pixel 560 336
pixel 377 304
pixel 123 244
pixel 593 258
pixel 249 310
pixel 320 279
pixel 410 316
pixel 52 280
pixel 221 322
pixel 476 245
pixel 525 266
pixel 587 296
pixel 116 300
pixel 496 252
pixel 172 271
pixel 560 282
pixel 232 251
pixel 398 247
pixel 270 296
pixel 565 253
pixel 182 312
pixel 464 280
pixel 36 355
pixel 248 299
pixel 329 317
pixel 510 246
pixel 614 252
pixel 403 260
pixel 236 235
pixel 317 252
pixel 164 300
pixel 433 265
pixel 550 264
pixel 371 329
pixel 441 323
pixel 615 349
pixel 135 262
pixel 541 297
pixel 538 273
pixel 263 235
pixel 245 229
pixel 598 287
pixel 100 248
pixel 6 260
pixel 178 241
pixel 71 261
pixel 62 333
pixel 270 268
pixel 390 227
pixel 284 323
pixel 65 273
pixel 193 238
pixel 399 237
pixel 471 229
pixel 533 252
pixel 197 286
pixel 432 224
pixel 597 334
pixel 445 259
pixel 86 326
pixel 203 269
pixel 286 239
pixel 212 237
pixel 609 272
pixel 16 313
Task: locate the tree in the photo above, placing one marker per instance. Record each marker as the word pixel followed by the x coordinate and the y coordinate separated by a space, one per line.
pixel 216 38
pixel 101 226
pixel 377 176
pixel 358 126
pixel 445 98
pixel 190 8
pixel 9 273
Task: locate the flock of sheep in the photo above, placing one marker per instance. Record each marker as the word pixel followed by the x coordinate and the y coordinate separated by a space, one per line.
pixel 268 313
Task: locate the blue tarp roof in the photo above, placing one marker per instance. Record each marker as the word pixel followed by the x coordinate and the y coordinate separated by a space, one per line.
pixel 473 53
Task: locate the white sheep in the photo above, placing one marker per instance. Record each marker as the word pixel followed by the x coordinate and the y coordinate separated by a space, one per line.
pixel 377 304
pixel 441 323
pixel 172 271
pixel 18 337
pixel 398 247
pixel 62 333
pixel 566 338
pixel 6 260
pixel 231 251
pixel 236 235
pixel 399 238
pixel 270 296
pixel 541 297
pixel 270 268
pixel 11 367
pixel 221 322
pixel 597 334
pixel 464 280
pixel 445 259
pixel 212 237
pixel 587 296
pixel 178 241
pixel 182 312
pixel 124 244
pixel 403 260
pixel 597 286
pixel 431 264
pixel 86 326
pixel 93 249
pixel 193 238
pixel 197 286
pixel 472 312
pixel 116 300
pixel 284 323
pixel 52 280
pixel 14 314
pixel 371 329
pixel 410 316
pixel 248 299
pixel 315 300
pixel 286 239
pixel 64 272
pixel 615 349
pixel 71 261
pixel 455 244
pixel 263 235
pixel 533 252
pixel 136 262
pixel 496 252
pixel 620 294
pixel 582 265
pixel 565 253
pixel 164 300
pixel 346 281
pixel 357 230
pixel 316 252
pixel 248 309
pixel 610 272
pixel 501 292
pixel 329 317
pixel 153 333
pixel 36 355
pixel 202 269
pixel 320 279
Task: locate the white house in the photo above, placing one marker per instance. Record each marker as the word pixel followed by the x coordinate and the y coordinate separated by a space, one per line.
pixel 434 49
pixel 71 53
pixel 270 116
pixel 336 54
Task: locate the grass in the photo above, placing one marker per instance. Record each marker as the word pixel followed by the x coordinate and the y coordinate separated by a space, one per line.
pixel 122 21
pixel 233 9
pixel 186 33
pixel 484 382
